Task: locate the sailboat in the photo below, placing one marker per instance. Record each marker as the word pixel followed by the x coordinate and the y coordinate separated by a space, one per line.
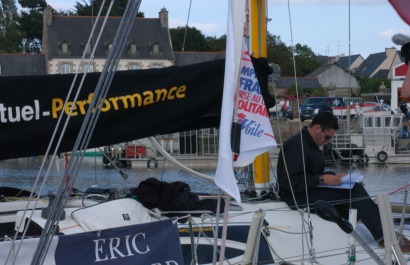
pixel 255 231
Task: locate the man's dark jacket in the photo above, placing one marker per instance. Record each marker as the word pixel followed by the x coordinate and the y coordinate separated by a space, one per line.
pixel 313 159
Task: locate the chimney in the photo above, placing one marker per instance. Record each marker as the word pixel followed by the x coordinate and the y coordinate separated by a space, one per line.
pixel 48 16
pixel 47 21
pixel 163 17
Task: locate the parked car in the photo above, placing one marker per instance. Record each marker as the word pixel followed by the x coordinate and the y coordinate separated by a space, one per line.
pixel 313 105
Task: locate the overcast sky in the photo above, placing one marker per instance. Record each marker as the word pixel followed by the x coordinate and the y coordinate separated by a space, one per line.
pixel 324 25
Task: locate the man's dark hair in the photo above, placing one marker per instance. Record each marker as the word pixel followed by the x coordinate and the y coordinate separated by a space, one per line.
pixel 326 120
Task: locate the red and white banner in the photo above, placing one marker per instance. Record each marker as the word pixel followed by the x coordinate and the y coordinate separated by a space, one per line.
pixel 256 131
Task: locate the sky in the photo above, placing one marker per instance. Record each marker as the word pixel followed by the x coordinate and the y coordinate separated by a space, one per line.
pixel 328 27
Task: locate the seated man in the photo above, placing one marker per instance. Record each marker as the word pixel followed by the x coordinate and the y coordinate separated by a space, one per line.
pixel 298 175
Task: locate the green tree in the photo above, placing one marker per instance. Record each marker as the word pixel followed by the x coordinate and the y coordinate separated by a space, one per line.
pixel 10 34
pixel 278 53
pixel 371 85
pixel 91 8
pixel 216 44
pixel 305 60
pixel 188 39
pixel 31 21
pixel 281 54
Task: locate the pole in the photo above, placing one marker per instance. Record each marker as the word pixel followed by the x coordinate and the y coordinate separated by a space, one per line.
pixel 258 48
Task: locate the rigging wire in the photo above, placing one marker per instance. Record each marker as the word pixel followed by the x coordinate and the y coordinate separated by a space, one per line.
pixel 186 30
pixel 309 223
pixel 48 152
pixel 87 128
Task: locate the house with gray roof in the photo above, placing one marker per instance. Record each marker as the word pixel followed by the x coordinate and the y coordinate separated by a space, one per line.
pixel 65 40
pixel 22 64
pixel 283 83
pixel 380 65
pixel 336 80
pixel 350 63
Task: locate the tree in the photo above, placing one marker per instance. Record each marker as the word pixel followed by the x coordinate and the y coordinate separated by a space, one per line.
pixel 371 85
pixel 31 22
pixel 10 34
pixel 278 53
pixel 91 8
pixel 216 44
pixel 305 60
pixel 188 39
pixel 281 54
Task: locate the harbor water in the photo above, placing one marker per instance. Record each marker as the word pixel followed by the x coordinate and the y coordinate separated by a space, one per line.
pixel 22 173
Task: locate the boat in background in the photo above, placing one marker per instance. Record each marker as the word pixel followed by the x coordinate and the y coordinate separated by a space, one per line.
pixel 375 137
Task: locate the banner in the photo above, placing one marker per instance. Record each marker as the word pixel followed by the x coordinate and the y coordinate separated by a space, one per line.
pixel 256 131
pixel 140 103
pixel 241 80
pixel 149 243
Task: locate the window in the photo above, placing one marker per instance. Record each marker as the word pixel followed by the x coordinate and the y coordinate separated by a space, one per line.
pixel 65 47
pixel 387 121
pixel 133 48
pixel 90 68
pixel 87 48
pixel 156 65
pixel 65 68
pixel 155 48
pixel 134 66
pixel 378 122
pixel 108 46
pixel 368 122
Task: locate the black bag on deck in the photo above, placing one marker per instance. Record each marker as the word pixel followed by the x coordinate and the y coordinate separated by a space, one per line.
pixel 174 196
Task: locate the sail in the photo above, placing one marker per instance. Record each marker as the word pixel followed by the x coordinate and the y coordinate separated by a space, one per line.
pixel 140 103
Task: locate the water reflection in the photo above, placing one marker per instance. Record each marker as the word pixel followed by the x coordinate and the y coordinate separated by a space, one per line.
pixel 22 173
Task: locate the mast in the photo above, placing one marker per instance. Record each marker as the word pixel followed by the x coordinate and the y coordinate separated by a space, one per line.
pixel 257 35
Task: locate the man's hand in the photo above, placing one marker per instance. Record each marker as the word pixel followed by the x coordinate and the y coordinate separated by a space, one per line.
pixel 332 180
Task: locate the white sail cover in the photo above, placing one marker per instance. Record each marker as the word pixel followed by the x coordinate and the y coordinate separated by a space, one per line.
pixel 256 131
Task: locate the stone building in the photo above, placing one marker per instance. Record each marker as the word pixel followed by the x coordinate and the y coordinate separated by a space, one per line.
pixel 65 40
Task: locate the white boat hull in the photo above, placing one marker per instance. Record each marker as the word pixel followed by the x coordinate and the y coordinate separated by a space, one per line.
pixel 285 238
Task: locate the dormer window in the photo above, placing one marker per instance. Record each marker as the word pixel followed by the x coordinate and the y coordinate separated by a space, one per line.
pixel 108 46
pixel 155 48
pixel 133 48
pixel 65 47
pixel 87 48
